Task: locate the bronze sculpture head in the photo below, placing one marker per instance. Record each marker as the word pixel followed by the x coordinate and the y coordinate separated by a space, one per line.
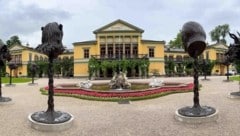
pixel 233 52
pixel 193 37
pixel 4 54
pixel 52 35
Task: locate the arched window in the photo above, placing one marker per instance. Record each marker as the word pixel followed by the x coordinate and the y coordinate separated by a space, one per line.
pixel 36 58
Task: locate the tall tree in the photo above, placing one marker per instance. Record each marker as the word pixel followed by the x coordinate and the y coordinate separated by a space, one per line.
pixel 219 33
pixel 1 42
pixel 177 42
pixel 13 40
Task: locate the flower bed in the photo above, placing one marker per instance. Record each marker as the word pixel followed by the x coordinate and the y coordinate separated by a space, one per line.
pixel 116 95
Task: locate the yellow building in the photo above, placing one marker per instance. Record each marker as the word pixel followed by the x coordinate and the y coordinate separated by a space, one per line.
pixel 117 41
pixel 214 53
pixel 23 55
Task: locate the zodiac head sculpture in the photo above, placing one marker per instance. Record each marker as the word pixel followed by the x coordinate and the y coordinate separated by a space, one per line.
pixel 193 37
pixel 233 52
pixel 4 54
pixel 52 35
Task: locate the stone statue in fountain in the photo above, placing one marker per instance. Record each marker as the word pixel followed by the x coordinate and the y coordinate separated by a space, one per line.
pixel 155 82
pixel 119 81
pixel 86 84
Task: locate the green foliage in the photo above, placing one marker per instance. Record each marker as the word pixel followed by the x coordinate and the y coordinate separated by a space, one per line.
pixel 1 42
pixel 57 67
pixel 42 68
pixel 188 64
pixel 93 67
pixel 104 66
pixel 3 70
pixel 124 65
pixel 177 42
pixel 143 64
pixel 237 65
pixel 13 40
pixel 169 68
pixel 208 66
pixel 219 33
pixel 133 63
pixel 29 72
pixel 235 78
pixel 180 69
pixel 16 80
pixel 66 67
pixel 63 67
pixel 114 66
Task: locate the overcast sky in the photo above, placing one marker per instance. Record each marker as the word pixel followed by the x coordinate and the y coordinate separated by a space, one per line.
pixel 160 19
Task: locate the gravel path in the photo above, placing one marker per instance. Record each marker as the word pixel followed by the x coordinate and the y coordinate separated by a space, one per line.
pixel 154 117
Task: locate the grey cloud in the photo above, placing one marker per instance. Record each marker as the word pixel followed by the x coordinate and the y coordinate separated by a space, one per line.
pixel 26 19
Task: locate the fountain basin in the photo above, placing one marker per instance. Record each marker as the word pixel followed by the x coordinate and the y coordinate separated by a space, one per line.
pixel 112 95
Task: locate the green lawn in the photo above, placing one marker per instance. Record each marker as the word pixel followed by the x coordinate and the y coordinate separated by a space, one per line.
pixel 236 78
pixel 16 80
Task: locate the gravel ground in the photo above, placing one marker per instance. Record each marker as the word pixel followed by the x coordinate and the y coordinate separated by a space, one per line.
pixel 154 117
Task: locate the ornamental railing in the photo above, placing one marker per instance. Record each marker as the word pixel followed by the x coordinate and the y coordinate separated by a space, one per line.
pixel 120 56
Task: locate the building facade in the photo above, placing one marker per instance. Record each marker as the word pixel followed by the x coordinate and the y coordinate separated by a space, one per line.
pixel 117 45
pixel 118 41
pixel 24 55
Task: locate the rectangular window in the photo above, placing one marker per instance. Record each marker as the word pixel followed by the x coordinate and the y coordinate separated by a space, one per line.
pixel 102 51
pixel 110 51
pixel 86 53
pixel 135 50
pixel 119 50
pixel 127 51
pixel 151 52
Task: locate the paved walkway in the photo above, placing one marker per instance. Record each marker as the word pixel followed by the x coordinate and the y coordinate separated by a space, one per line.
pixel 154 117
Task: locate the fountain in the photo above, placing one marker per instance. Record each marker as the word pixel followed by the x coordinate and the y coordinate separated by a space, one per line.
pixel 119 82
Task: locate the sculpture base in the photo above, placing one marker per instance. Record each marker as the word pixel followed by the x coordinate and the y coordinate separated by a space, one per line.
pixel 10 85
pixel 51 121
pixel 32 84
pixel 234 95
pixel 196 115
pixel 196 111
pixel 5 100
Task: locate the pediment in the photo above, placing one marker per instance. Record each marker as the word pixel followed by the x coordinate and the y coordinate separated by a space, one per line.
pixel 220 46
pixel 16 47
pixel 118 25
